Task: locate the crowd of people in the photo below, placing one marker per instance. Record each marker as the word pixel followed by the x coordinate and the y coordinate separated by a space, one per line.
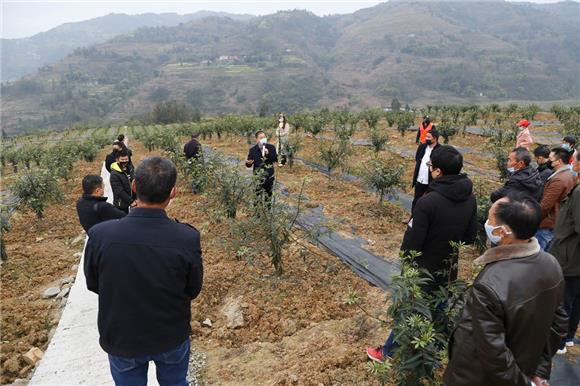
pixel 529 285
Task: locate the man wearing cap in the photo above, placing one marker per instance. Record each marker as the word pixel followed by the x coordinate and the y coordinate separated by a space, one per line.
pixel 524 138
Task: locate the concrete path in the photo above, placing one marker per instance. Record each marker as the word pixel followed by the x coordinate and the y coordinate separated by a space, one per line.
pixel 74 356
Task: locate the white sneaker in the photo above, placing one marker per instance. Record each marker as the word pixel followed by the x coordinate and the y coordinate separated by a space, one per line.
pixel 562 351
pixel 570 343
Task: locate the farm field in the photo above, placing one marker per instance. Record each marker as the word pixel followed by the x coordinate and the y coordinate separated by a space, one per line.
pixel 300 324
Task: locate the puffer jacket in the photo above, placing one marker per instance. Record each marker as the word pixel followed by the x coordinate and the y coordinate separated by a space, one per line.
pixel 513 320
pixel 526 180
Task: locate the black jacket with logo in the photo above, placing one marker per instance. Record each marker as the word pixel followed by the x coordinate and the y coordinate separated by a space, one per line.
pixel 146 269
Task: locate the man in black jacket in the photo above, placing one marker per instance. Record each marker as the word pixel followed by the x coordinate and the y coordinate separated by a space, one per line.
pixel 513 318
pixel 120 179
pixel 447 212
pixel 421 176
pixel 542 155
pixel 92 207
pixel 146 269
pixel 523 179
pixel 112 156
pixel 192 149
pixel 262 157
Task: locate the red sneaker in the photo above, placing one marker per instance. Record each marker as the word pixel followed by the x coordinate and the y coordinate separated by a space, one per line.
pixel 376 354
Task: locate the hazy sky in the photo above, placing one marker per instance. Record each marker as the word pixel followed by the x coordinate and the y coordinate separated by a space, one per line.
pixel 21 18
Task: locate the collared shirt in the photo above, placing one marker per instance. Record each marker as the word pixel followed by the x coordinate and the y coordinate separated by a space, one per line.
pixel 423 176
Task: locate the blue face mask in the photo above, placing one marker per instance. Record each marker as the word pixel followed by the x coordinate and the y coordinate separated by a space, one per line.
pixel 263 141
pixel 489 231
pixel 511 170
pixel 567 147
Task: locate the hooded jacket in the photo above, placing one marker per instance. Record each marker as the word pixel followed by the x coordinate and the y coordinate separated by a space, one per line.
pixel 513 319
pixel 447 212
pixel 566 244
pixel 121 187
pixel 526 180
pixel 545 172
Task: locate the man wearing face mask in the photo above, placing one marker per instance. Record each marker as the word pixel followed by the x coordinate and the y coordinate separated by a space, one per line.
pixel 421 176
pixel 447 212
pixel 566 249
pixel 282 133
pixel 523 178
pixel 262 157
pixel 542 155
pixel 559 185
pixel 120 179
pixel 92 207
pixel 424 127
pixel 524 138
pixel 513 319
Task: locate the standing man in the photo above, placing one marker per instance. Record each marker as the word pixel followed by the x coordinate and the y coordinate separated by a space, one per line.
pixel 282 133
pixel 146 269
pixel 523 178
pixel 120 179
pixel 566 248
pixel 524 138
pixel 262 157
pixel 421 176
pixel 92 207
pixel 112 156
pixel 542 155
pixel 559 184
pixel 569 143
pixel 192 149
pixel 447 212
pixel 424 127
pixel 513 319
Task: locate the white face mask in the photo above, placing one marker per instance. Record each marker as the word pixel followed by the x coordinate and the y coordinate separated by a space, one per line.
pixel 264 140
pixel 511 170
pixel 489 230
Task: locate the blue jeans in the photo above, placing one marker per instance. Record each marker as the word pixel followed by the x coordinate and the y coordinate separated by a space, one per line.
pixel 545 237
pixel 171 367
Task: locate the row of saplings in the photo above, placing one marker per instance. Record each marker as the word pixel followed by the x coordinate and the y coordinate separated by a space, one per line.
pixel 272 228
pixel 36 184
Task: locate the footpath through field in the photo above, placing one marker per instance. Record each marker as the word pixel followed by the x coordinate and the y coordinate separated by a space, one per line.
pixel 73 356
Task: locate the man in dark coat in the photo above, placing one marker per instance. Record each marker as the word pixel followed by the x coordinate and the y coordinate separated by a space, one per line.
pixel 421 176
pixel 523 179
pixel 447 212
pixel 92 207
pixel 192 149
pixel 262 157
pixel 566 249
pixel 513 319
pixel 112 156
pixel 542 155
pixel 120 180
pixel 146 269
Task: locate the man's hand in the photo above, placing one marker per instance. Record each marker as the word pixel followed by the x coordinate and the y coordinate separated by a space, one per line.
pixel 133 204
pixel 539 381
pixel 265 151
pixel 250 162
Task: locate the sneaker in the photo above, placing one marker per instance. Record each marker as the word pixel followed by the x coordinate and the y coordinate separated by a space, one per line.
pixel 570 343
pixel 562 351
pixel 376 354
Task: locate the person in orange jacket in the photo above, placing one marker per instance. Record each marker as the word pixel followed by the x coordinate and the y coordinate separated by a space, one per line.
pixel 524 138
pixel 424 127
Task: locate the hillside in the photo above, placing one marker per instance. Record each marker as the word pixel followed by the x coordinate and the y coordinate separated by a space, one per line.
pixel 419 52
pixel 24 56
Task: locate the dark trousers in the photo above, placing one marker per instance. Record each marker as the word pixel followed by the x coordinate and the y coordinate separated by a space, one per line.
pixel 572 305
pixel 264 190
pixel 420 190
pixel 171 367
